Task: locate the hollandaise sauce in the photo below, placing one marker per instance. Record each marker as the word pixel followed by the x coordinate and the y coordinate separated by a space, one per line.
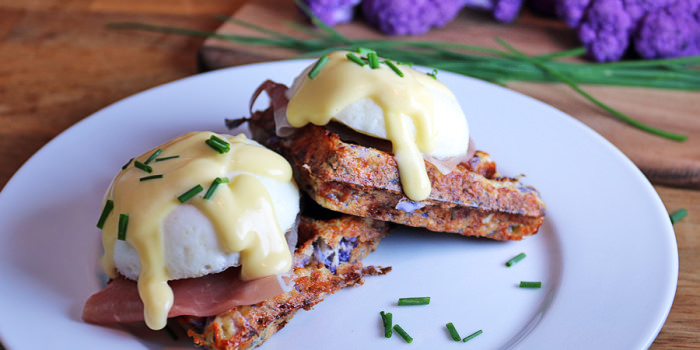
pixel 403 95
pixel 196 164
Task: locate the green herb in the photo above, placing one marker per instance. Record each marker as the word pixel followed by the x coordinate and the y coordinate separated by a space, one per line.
pixel 453 332
pixel 414 301
pixel 143 167
pixel 153 156
pixel 127 164
pixel 433 74
pixel 472 336
pixel 526 284
pixel 109 205
pixel 351 56
pixel 364 50
pixel 373 60
pixel 493 65
pixel 146 178
pixel 190 193
pixel 386 320
pixel 317 67
pixel 123 223
pixel 213 186
pixel 515 259
pixel 219 145
pixel 678 215
pixel 403 333
pixel 394 68
pixel 166 158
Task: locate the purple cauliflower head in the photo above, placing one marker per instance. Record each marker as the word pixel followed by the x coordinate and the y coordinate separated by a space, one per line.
pixel 572 11
pixel 332 12
pixel 672 31
pixel 605 30
pixel 503 10
pixel 409 17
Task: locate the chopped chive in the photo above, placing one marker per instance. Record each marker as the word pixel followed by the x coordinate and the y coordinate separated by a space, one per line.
pixel 317 67
pixel 109 205
pixel 414 301
pixel 153 156
pixel 387 320
pixel 526 284
pixel 146 178
pixel 190 193
pixel 472 336
pixel 166 158
pixel 373 60
pixel 219 145
pixel 123 223
pixel 351 56
pixel 453 332
pixel 127 164
pixel 678 215
pixel 394 68
pixel 403 333
pixel 213 186
pixel 515 259
pixel 364 50
pixel 410 64
pixel 433 74
pixel 143 167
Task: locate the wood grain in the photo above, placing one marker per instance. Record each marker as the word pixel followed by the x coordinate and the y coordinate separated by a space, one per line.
pixel 59 65
pixel 663 161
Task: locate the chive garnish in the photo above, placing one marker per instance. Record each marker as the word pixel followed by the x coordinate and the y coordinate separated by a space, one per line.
pixel 373 60
pixel 166 158
pixel 213 186
pixel 109 205
pixel 153 156
pixel 453 332
pixel 414 301
pixel 317 67
pixel 403 333
pixel 219 145
pixel 351 56
pixel 143 167
pixel 190 193
pixel 386 320
pixel 678 215
pixel 433 74
pixel 146 178
pixel 123 223
pixel 515 259
pixel 127 164
pixel 527 284
pixel 364 50
pixel 472 336
pixel 394 68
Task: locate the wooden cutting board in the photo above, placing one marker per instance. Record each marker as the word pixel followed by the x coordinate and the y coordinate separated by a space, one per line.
pixel 663 161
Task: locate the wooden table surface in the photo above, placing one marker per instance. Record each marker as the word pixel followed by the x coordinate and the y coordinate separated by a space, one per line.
pixel 59 64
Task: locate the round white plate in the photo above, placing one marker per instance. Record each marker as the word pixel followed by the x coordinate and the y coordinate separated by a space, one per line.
pixel 606 254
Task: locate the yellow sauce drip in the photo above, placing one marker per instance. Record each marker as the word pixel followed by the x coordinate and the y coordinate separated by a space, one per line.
pixel 404 100
pixel 241 213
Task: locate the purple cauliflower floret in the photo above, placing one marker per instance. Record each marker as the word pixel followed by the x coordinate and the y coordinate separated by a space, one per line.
pixel 332 12
pixel 605 30
pixel 409 17
pixel 505 11
pixel 571 11
pixel 673 31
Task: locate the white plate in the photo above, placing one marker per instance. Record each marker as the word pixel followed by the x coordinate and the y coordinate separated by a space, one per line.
pixel 606 255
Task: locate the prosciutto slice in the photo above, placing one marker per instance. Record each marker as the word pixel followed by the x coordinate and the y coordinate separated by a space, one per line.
pixel 203 296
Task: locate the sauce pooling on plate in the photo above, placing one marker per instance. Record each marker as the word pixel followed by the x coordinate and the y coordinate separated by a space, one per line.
pixel 194 169
pixel 383 103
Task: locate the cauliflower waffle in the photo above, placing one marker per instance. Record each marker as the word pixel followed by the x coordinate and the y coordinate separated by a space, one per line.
pixel 472 200
pixel 327 259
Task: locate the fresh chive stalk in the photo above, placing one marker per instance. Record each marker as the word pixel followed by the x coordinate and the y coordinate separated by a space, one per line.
pixel 394 68
pixel 109 205
pixel 143 166
pixel 514 260
pixel 678 215
pixel 317 67
pixel 453 332
pixel 387 321
pixel 190 193
pixel 373 60
pixel 218 144
pixel 146 178
pixel 153 156
pixel 528 284
pixel 414 301
pixel 213 186
pixel 123 224
pixel 127 164
pixel 403 333
pixel 472 336
pixel 351 56
pixel 166 158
